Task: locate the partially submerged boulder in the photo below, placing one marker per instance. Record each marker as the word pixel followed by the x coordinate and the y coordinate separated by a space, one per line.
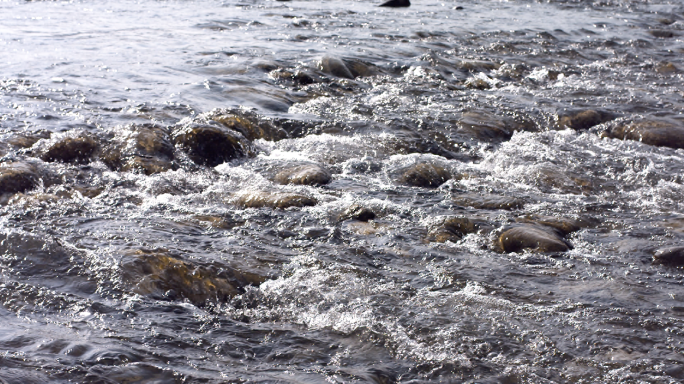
pixel 661 133
pixel 581 120
pixel 146 148
pixel 533 237
pixel 163 276
pixel 249 124
pixel 564 226
pixel 485 126
pixel 17 177
pixel 334 66
pixel 281 200
pixel 211 145
pixel 426 175
pixel 669 256
pixel 70 149
pixel 488 201
pixel 453 228
pixel 357 212
pixel 304 174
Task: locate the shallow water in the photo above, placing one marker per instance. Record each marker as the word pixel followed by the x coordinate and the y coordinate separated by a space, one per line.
pixel 112 272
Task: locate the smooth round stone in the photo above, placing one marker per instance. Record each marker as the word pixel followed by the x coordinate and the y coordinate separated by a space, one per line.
pixel 17 177
pixel 306 174
pixel 70 149
pixel 535 238
pixel 660 133
pixel 669 255
pixel 210 145
pixel 279 200
pixel 426 175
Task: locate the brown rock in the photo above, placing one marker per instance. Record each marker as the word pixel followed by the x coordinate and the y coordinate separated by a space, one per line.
pixel 584 119
pixel 666 68
pixel 160 275
pixel 335 67
pixel 70 149
pixel 536 238
pixel 488 201
pixel 426 175
pixel 305 174
pixel 249 124
pixel 661 133
pixel 146 148
pixel 485 126
pixel 211 145
pixel 669 256
pixel 454 228
pixel 562 225
pixel 477 83
pixel 282 200
pixel 357 212
pixel 17 177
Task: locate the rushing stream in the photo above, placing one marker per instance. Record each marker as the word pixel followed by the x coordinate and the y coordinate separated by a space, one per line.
pixel 246 191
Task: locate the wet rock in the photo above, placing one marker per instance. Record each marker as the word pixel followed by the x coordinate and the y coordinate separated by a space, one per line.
pixel 669 256
pixel 537 238
pixel 488 201
pixel 426 175
pixel 17 177
pixel 282 200
pixel 661 34
pixel 477 83
pixel 162 276
pixel 454 228
pixel 145 148
pixel 584 119
pixel 26 140
pixel 488 127
pixel 305 174
pixel 562 225
pixel 334 66
pixel 248 123
pixel 71 149
pixel 661 133
pixel 396 3
pixel 211 145
pixel 357 212
pixel 666 68
pixel 359 69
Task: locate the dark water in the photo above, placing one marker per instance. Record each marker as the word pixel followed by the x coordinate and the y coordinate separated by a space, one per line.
pixel 136 260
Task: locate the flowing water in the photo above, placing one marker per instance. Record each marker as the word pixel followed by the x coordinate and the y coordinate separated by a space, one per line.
pixel 143 256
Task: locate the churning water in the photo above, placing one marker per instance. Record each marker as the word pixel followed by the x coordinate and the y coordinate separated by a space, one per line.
pixel 469 191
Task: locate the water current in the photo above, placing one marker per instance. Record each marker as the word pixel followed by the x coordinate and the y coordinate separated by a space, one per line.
pixel 256 191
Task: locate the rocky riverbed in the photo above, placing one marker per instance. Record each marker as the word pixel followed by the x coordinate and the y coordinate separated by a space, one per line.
pixel 266 191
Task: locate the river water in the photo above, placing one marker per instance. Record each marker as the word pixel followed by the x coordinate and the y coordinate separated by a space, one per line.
pixel 318 191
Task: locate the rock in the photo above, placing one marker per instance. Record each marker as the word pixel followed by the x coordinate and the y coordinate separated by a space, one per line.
pixel 477 83
pixel 17 177
pixel 537 238
pixel 211 145
pixel 76 149
pixel 485 126
pixel 357 212
pixel 396 3
pixel 335 67
pixel 146 148
pixel 305 174
pixel 282 200
pixel 426 175
pixel 661 34
pixel 488 201
pixel 248 123
pixel 162 276
pixel 661 133
pixel 584 119
pixel 666 68
pixel 669 256
pixel 454 228
pixel 562 225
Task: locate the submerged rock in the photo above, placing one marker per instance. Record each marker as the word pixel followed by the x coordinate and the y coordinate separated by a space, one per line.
pixel 661 133
pixel 562 225
pixel 396 3
pixel 334 66
pixel 454 228
pixel 211 145
pixel 72 149
pixel 248 123
pixel 146 148
pixel 669 256
pixel 482 125
pixel 282 200
pixel 305 174
pixel 488 201
pixel 17 177
pixel 426 175
pixel 357 212
pixel 160 275
pixel 584 119
pixel 537 238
